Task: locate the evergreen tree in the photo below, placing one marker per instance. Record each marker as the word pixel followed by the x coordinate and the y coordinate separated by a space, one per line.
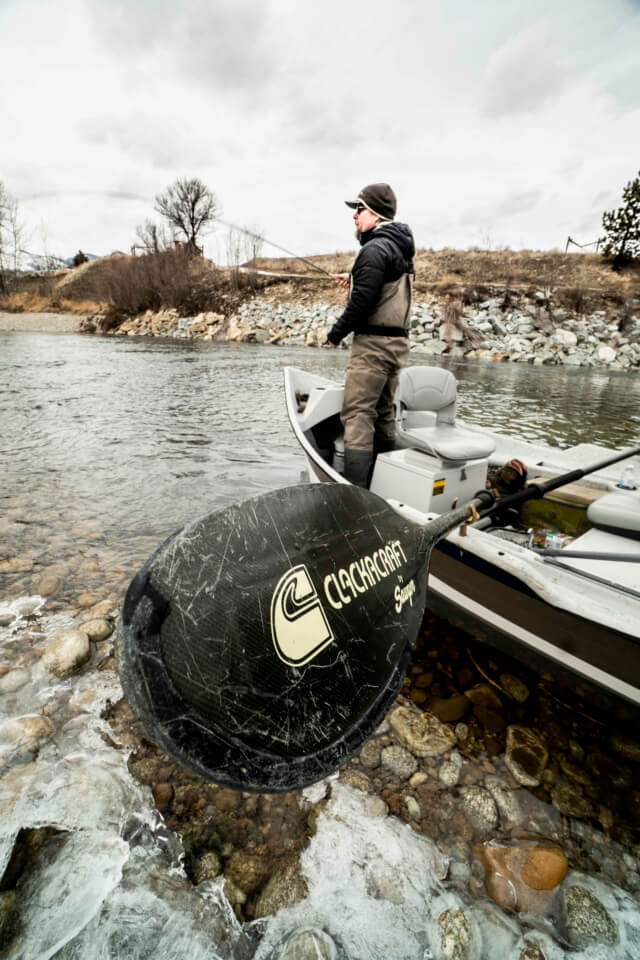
pixel 622 226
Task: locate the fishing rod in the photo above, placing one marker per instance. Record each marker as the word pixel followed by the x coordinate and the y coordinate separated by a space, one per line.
pixel 290 253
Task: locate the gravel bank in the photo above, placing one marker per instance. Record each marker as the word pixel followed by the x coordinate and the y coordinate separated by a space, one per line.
pixel 41 322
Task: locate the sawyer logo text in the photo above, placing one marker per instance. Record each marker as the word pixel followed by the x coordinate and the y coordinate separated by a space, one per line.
pixel 299 627
pixel 347 583
pixel 404 595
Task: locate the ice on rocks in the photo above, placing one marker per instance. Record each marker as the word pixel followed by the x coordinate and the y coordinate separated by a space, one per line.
pixel 375 900
pixel 67 652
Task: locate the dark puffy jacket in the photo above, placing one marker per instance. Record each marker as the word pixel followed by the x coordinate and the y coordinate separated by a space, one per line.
pixel 387 252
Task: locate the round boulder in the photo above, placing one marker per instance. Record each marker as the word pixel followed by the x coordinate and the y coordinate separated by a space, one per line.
pixel 67 652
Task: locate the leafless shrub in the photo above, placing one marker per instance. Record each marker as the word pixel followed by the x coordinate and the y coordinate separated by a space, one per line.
pixel 452 313
pixel 576 299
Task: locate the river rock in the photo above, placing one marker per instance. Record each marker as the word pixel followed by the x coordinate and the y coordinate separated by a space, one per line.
pixel 246 871
pixel 526 756
pixel 586 921
pixel 97 630
pixel 484 695
pixel 27 606
pixel 7 616
pixel 569 799
pixel 104 610
pixel 21 736
pixel 207 867
pixel 308 944
pixel 539 946
pixel 14 680
pixel 480 809
pixel 356 779
pixel 514 688
pixel 163 795
pixel 626 747
pixel 449 772
pixel 422 733
pixel 399 762
pixel 452 709
pixel 564 338
pixel 285 887
pixel 89 599
pixel 506 800
pixel 523 874
pixel 67 652
pixel 48 584
pixel 606 354
pixel 370 754
pixel 16 564
pixel 376 807
pixel 455 935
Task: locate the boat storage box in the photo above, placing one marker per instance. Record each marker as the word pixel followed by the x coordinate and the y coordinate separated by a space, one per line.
pixel 425 483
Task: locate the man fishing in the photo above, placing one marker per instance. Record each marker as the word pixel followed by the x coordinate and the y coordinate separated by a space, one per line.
pixel 377 313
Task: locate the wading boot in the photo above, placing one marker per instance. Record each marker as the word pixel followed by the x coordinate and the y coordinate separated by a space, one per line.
pixel 357 466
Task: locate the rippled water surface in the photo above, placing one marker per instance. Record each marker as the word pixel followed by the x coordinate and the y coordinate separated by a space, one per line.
pixel 136 437
pixel 145 435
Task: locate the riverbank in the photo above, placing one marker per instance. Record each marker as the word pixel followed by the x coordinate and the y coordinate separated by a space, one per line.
pixel 41 322
pixel 522 329
pixel 513 811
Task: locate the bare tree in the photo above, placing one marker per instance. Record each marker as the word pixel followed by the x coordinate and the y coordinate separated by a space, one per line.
pixel 243 247
pixel 189 206
pixel 4 199
pixel 47 261
pixel 12 237
pixel 152 237
pixel 17 232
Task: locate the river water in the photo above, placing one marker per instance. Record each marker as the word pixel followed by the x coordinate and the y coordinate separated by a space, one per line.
pixel 107 446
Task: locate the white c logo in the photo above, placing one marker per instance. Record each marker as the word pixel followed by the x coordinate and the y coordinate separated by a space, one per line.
pixel 299 627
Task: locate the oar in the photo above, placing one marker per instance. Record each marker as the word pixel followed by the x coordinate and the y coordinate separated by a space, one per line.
pixel 535 491
pixel 261 645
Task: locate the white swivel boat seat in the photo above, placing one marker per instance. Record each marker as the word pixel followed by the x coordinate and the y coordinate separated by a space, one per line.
pixel 425 403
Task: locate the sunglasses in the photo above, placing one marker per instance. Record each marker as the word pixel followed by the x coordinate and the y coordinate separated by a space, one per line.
pixel 360 208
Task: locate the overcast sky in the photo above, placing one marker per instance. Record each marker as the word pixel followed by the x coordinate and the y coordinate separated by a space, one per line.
pixel 504 123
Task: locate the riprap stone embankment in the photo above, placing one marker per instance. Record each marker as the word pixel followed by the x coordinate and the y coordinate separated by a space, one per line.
pixel 527 330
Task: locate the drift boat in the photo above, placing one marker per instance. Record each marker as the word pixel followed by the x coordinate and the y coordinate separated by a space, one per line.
pixel 557 581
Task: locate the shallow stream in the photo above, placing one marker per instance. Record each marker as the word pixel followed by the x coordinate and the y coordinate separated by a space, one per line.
pixel 107 446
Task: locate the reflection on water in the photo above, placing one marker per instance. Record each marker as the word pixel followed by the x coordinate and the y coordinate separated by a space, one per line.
pixel 138 437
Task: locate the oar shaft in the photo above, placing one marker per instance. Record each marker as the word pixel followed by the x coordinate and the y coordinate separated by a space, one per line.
pixel 442 525
pixel 589 555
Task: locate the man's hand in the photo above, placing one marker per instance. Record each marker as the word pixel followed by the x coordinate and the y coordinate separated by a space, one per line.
pixel 342 279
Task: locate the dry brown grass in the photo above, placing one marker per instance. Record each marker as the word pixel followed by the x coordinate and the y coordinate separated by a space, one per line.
pixel 577 281
pixel 122 286
pixel 25 302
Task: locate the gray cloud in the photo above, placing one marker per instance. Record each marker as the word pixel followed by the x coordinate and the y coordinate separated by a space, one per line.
pixel 522 74
pixel 165 142
pixel 226 46
pixel 517 203
pixel 110 194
